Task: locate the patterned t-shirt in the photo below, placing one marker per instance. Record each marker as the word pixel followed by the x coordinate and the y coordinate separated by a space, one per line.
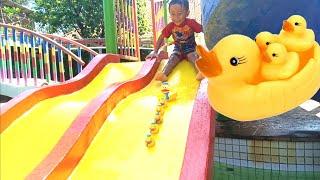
pixel 183 33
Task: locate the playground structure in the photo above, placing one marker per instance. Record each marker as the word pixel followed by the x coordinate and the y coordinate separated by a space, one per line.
pixel 89 108
pixel 76 107
pixel 29 59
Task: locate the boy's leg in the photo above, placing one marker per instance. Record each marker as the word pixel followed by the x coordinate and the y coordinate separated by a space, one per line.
pixel 172 63
pixel 192 57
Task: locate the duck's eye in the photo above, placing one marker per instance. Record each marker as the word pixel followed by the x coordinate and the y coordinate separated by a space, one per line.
pixel 296 24
pixel 234 61
pixel 267 43
pixel 274 54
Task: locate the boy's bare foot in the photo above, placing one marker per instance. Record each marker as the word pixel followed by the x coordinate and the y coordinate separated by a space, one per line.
pixel 199 76
pixel 161 77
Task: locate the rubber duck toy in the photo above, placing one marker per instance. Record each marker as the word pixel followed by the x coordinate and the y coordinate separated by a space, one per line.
pixel 162 102
pixel 280 63
pixel 166 92
pixel 264 39
pixel 158 118
pixel 231 68
pixel 154 127
pixel 295 35
pixel 150 142
pixel 160 109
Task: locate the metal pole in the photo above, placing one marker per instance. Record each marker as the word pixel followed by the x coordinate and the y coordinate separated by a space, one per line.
pixel 110 26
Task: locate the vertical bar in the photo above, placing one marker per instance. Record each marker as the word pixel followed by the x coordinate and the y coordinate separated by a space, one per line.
pixel 53 62
pixel 15 56
pixel 34 61
pixel 8 54
pixel 126 38
pixel 28 59
pixel 4 63
pixel 136 33
pixel 123 30
pixel 130 26
pixel 61 67
pixel 79 67
pixel 2 60
pixel 110 26
pixel 119 29
pixel 70 63
pixel 23 58
pixel 46 61
pixel 40 57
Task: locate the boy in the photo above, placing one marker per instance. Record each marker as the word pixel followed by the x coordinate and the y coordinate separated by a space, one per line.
pixel 182 29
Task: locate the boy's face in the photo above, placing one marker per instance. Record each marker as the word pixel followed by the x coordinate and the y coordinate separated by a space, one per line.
pixel 178 13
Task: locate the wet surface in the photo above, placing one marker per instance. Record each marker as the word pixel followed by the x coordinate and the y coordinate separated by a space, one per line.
pixel 295 125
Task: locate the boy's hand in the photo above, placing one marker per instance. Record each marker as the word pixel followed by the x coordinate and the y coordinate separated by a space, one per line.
pixel 153 54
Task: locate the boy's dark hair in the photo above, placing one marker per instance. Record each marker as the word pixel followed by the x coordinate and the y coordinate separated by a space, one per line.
pixel 184 3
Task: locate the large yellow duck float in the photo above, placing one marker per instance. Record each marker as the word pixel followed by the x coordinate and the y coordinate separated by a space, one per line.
pixel 235 86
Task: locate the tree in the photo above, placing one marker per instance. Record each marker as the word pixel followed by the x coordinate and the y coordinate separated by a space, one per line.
pixel 83 16
pixel 16 12
pixel 143 23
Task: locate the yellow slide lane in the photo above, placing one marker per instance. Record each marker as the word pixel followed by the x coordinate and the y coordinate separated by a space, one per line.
pixel 119 152
pixel 26 142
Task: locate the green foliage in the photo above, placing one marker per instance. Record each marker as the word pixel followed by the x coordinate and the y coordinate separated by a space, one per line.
pixel 143 17
pixel 83 16
pixel 11 11
pixel 17 14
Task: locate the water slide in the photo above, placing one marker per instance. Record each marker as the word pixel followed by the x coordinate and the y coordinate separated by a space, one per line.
pixel 98 132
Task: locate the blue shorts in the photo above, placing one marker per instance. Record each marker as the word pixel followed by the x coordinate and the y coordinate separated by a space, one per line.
pixel 184 49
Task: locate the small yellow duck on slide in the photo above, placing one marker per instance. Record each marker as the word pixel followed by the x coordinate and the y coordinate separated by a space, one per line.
pixel 232 87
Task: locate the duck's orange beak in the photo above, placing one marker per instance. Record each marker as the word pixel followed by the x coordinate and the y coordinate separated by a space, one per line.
pixel 208 63
pixel 287 26
pixel 265 57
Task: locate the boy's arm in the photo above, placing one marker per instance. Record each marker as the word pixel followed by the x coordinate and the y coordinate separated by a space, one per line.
pixel 154 53
pixel 159 43
pixel 200 40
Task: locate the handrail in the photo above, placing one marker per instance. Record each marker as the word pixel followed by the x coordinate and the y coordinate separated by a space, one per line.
pixel 75 57
pixel 73 42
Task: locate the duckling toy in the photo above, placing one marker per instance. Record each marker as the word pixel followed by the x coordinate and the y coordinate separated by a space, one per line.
pixel 169 95
pixel 231 68
pixel 295 35
pixel 162 102
pixel 159 118
pixel 150 142
pixel 154 127
pixel 264 39
pixel 160 109
pixel 281 64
